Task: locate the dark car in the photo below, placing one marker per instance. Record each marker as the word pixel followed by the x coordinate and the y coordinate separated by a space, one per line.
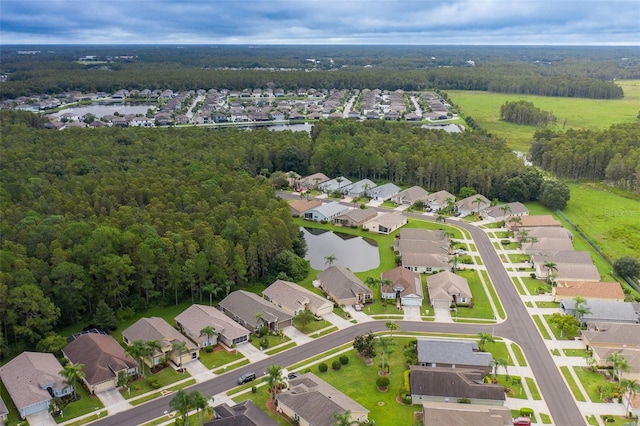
pixel 246 378
pixel 292 376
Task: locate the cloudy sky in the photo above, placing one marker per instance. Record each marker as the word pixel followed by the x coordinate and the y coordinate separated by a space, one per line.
pixel 569 22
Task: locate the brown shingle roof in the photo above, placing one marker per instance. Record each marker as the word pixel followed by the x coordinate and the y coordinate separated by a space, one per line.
pixel 196 317
pixel 589 289
pixel 301 206
pixel 294 297
pixel 443 285
pixel 535 221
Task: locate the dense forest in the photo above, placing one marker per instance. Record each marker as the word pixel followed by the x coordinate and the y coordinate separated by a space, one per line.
pixel 523 112
pixel 127 218
pixel 581 72
pixel 612 155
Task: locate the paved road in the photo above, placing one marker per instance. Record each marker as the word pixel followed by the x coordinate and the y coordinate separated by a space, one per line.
pixel 518 327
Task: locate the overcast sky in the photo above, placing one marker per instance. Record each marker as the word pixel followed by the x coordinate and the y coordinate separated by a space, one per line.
pixel 556 22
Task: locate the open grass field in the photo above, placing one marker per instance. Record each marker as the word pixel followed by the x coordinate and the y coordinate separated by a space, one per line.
pixel 579 113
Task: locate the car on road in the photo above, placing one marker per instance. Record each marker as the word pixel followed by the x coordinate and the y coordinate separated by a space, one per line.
pixel 246 378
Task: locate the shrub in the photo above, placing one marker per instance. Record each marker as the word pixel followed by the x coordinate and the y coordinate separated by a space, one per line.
pixel 464 401
pixel 254 389
pixel 264 343
pixel 344 360
pixel 154 383
pixel 407 382
pixel 382 382
pixel 336 365
pixel 208 349
pixel 526 412
pixel 363 206
pixel 323 367
pixel 306 370
pixel 505 242
pixel 532 275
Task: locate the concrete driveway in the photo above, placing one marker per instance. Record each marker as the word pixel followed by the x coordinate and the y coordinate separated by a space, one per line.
pixel 113 401
pixel 43 418
pixel 198 371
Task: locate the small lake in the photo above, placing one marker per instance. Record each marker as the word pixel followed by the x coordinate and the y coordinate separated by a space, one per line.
pixel 355 253
pixel 108 108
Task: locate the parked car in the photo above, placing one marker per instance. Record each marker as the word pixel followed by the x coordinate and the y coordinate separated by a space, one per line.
pixel 293 375
pixel 246 378
pixel 357 307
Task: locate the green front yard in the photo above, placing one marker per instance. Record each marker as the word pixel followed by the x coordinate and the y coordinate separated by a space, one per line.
pixel 219 358
pixel 164 377
pixel 86 404
pixel 575 390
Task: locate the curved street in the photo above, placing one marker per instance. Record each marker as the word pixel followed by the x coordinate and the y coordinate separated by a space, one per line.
pixel 518 327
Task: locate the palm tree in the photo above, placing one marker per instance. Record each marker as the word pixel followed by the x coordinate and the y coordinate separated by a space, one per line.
pixel 515 219
pixel 478 200
pixel 181 403
pixel 450 204
pixel 199 402
pixel 454 263
pixel 213 290
pixel 180 348
pixel 328 260
pixel 550 266
pixel 484 339
pixel 619 364
pixel 441 218
pixel 533 240
pixel 385 343
pixel 344 419
pixel 581 308
pixel 371 282
pixel 504 209
pixel 631 388
pixel 208 331
pixel 152 346
pixel 73 372
pixel 391 325
pixel 274 380
pixel 137 350
pixel 498 363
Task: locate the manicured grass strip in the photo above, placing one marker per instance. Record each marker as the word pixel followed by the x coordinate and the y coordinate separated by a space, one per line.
pixel 541 327
pixel 517 352
pixel 555 352
pixel 324 332
pixel 280 348
pixel 577 352
pixel 592 420
pixel 83 421
pixel 499 351
pixel 85 405
pixel 521 290
pixel 165 377
pixel 163 392
pixel 219 358
pixel 528 304
pixel 519 258
pixel 545 419
pixel 577 394
pixel 548 304
pixel 591 381
pixel 532 284
pixel 232 366
pixel 494 295
pixel 533 389
pixel 272 341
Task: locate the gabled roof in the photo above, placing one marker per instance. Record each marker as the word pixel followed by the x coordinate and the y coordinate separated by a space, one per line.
pixel 342 283
pixel 589 289
pixel 604 310
pixel 301 206
pixel 101 355
pixel 425 260
pixel 440 197
pixel 566 256
pixel 421 246
pixel 384 191
pixel 358 186
pixel 3 408
pixel 445 284
pixel 612 334
pixel 446 413
pixel 408 281
pixel 458 352
pixel 294 296
pixel 316 401
pixel 470 203
pixel 422 235
pixel 245 413
pixel 25 375
pixel 358 215
pixel 333 184
pixel 537 221
pixel 453 383
pixel 155 328
pixel 515 209
pixel 390 219
pixel 246 305
pixel 413 194
pixel 331 209
pixel 196 317
pixel 312 179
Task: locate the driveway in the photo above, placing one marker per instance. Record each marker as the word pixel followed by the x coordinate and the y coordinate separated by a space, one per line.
pixel 412 313
pixel 442 315
pixel 198 370
pixel 43 418
pixel 113 401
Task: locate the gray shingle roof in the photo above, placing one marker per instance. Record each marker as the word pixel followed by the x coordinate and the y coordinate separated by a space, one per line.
pixel 330 209
pixel 246 413
pixel 196 317
pixel 445 284
pixel 604 310
pixel 453 383
pixel 294 297
pixel 455 352
pixel 155 328
pixel 245 305
pixel 342 282
pixel 413 194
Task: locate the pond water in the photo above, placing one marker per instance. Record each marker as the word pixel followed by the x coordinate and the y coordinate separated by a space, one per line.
pixel 450 128
pixel 102 109
pixel 302 127
pixel 355 253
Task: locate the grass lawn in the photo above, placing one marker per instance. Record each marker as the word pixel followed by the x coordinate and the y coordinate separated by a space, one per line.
pixel 532 284
pixel 541 327
pixel 494 295
pixel 12 417
pixel 572 384
pixel 499 351
pixel 594 114
pixel 229 367
pixel 272 341
pixel 165 391
pixel 219 358
pixel 519 258
pixel 314 326
pixel 533 389
pixel 591 380
pixel 260 398
pixel 513 388
pixel 280 348
pixel 521 290
pixel 556 332
pixel 86 404
pixel 481 306
pixel 548 304
pixel 555 352
pixel 165 377
pixel 618 420
pixel 545 418
pixel 577 352
pixel 518 354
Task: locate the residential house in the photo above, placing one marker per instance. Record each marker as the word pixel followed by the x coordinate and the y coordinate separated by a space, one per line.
pixel 602 311
pixel 4 411
pixel 300 207
pixel 425 263
pixel 405 286
pixel 310 401
pixel 410 195
pixel 534 221
pixel 504 211
pixel 423 250
pixel 440 200
pixel 253 312
pixel 384 192
pixel 141 122
pixel 103 360
pixel 548 240
pixel 337 184
pixel 386 223
pixel 357 189
pixel 588 290
pixel 245 413
pixel 326 212
pixel 441 384
pixel 343 287
pixel 474 204
pixel 293 299
pixel 453 354
pixel 32 380
pixel 443 413
pixel 355 217
pixel 447 289
pixel 196 317
pixel 157 329
pixel 569 265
